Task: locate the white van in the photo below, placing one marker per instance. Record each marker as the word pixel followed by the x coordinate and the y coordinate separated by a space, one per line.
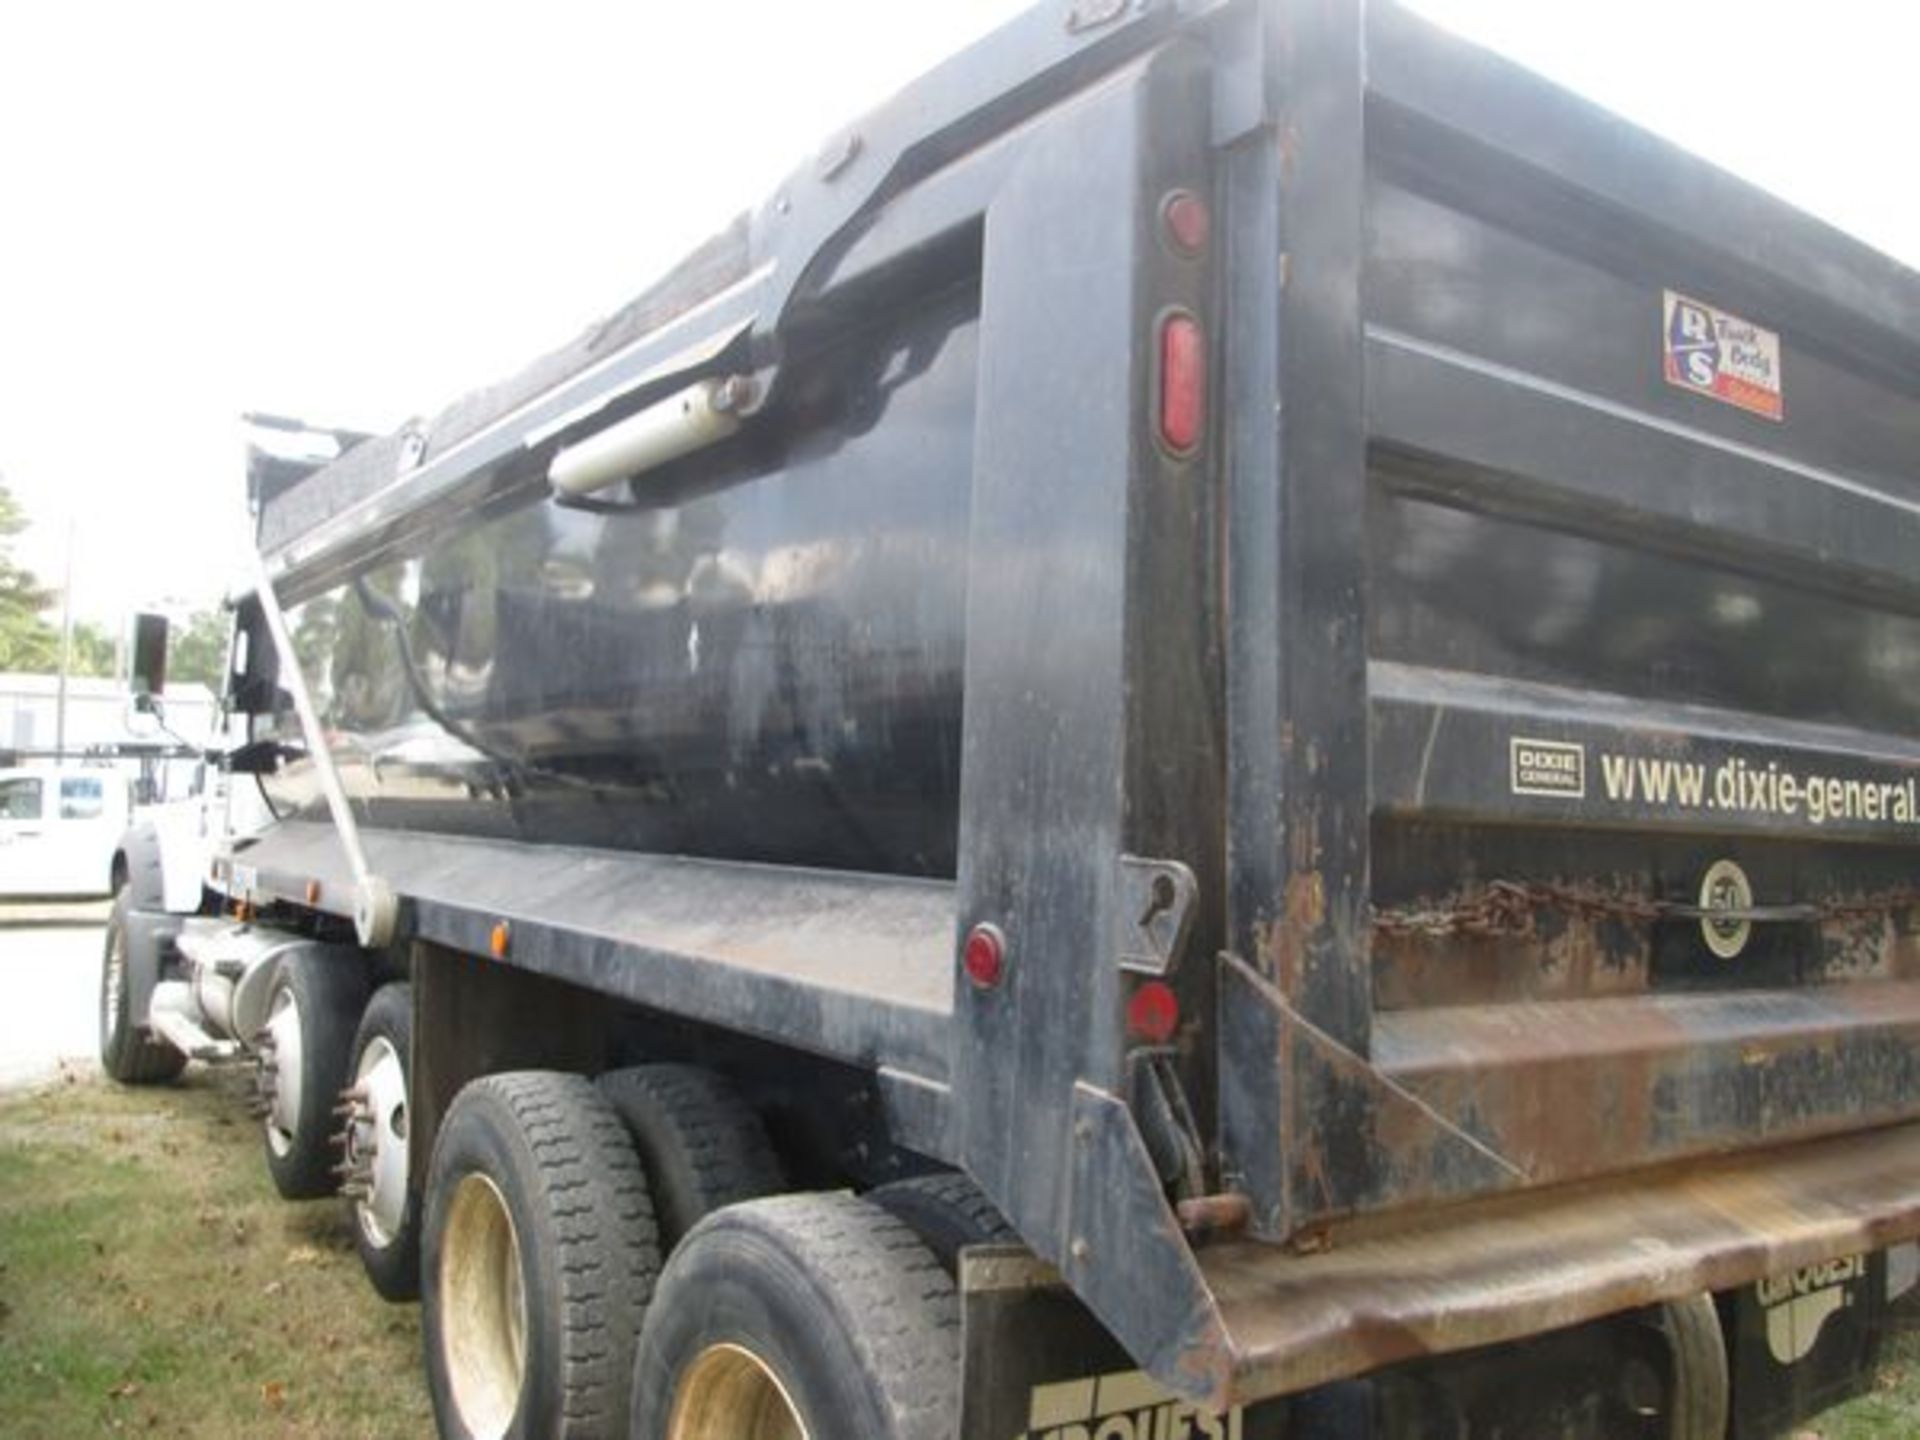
pixel 58 829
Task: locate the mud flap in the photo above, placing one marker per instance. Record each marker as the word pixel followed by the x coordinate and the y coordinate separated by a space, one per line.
pixel 1807 1339
pixel 150 936
pixel 1037 1366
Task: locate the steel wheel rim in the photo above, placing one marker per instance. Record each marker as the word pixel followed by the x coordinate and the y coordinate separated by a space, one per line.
pixel 483 1307
pixel 377 1134
pixel 730 1393
pixel 283 1109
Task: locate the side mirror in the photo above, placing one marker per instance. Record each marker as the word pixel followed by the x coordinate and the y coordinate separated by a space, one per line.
pixel 149 655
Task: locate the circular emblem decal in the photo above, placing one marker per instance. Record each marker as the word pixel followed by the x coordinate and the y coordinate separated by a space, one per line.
pixel 1725 891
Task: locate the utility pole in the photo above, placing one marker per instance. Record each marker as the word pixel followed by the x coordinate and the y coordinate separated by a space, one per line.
pixel 66 652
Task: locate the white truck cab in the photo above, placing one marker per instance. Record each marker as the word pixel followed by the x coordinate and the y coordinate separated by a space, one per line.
pixel 59 826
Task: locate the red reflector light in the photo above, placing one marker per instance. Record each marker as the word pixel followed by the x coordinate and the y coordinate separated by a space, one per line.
pixel 1183 382
pixel 1187 221
pixel 1153 1013
pixel 984 956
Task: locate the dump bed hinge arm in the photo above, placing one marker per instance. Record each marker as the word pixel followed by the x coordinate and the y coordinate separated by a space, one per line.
pixel 375 907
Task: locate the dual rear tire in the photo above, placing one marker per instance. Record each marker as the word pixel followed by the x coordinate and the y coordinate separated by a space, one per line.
pixel 304 1053
pixel 800 1318
pixel 540 1258
pixel 701 1146
pixel 383 1192
pixel 549 1202
pixel 333 1081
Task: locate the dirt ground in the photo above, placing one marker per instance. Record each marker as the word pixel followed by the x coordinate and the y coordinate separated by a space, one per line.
pixel 151 1280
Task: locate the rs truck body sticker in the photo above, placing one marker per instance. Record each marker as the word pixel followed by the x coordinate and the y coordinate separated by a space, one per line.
pixel 1714 353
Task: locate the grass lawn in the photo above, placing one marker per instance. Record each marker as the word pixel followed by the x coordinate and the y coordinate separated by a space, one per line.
pixel 1891 1409
pixel 151 1280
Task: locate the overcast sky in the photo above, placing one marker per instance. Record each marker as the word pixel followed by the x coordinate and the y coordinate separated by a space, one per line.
pixel 353 212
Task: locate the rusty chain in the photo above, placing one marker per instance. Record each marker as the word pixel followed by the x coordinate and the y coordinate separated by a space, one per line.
pixel 1509 907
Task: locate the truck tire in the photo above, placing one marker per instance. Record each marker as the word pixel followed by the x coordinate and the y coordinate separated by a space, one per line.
pixel 1703 1401
pixel 312 1009
pixel 948 1212
pixel 129 1052
pixel 539 1261
pixel 384 1195
pixel 815 1315
pixel 700 1144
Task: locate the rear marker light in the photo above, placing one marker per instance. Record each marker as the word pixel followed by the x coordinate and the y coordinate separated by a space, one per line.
pixel 501 940
pixel 1183 382
pixel 984 957
pixel 1153 1013
pixel 1187 222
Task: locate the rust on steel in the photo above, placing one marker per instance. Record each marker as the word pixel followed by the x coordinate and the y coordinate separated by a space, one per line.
pixel 1390 1288
pixel 1206 1216
pixel 1570 1089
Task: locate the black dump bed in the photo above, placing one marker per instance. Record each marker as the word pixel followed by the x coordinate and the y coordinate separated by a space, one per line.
pixel 1500 726
pixel 1640 572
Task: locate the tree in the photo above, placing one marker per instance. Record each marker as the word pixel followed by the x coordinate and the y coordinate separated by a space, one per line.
pixel 30 642
pixel 27 641
pixel 94 651
pixel 199 651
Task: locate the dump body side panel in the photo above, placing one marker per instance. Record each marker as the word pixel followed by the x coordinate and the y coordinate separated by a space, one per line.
pixel 1639 494
pixel 757 657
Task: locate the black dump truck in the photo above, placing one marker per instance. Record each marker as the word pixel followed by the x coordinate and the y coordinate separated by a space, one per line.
pixel 1219 736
